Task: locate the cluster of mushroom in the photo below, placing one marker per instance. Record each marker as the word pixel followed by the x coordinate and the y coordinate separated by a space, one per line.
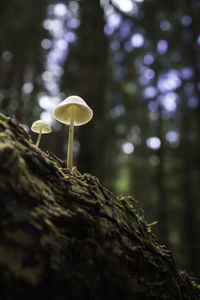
pixel 72 111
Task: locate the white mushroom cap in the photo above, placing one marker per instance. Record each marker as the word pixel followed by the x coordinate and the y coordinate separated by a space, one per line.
pixel 75 105
pixel 40 124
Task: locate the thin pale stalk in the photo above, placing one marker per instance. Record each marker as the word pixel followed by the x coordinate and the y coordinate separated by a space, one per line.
pixel 39 138
pixel 70 144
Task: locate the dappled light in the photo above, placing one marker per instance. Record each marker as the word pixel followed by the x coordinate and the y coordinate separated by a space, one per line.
pixel 116 111
pixel 169 81
pixel 136 63
pixel 60 10
pixel 165 25
pixel 7 56
pixel 137 40
pixel 153 106
pixel 172 137
pixel 148 73
pixel 153 143
pixel 193 102
pixel 128 148
pixel 55 27
pixel 150 92
pixel 169 101
pixel 162 46
pixel 186 20
pixel 187 73
pixel 46 44
pixel 148 59
pixel 126 6
pixel 113 22
pixel 198 40
pixel 27 88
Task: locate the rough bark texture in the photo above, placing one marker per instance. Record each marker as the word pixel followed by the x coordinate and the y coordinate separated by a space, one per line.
pixel 68 237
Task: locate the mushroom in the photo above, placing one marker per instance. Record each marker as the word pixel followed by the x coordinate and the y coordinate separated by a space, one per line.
pixel 40 127
pixel 72 111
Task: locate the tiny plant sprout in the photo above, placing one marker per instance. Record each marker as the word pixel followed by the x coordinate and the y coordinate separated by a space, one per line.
pixel 72 111
pixel 40 127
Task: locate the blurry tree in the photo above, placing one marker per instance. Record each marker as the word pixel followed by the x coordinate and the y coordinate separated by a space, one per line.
pixel 156 57
pixel 168 80
pixel 22 58
pixel 85 73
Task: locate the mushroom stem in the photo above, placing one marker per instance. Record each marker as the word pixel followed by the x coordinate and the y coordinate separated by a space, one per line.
pixel 39 137
pixel 70 144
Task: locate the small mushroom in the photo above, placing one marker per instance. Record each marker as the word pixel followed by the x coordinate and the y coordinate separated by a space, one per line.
pixel 72 111
pixel 40 127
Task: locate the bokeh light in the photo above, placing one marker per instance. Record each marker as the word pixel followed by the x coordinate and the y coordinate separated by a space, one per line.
pixel 137 40
pixel 27 88
pixel 186 20
pixel 124 5
pixel 165 25
pixel 60 10
pixel 162 46
pixel 153 143
pixel 128 148
pixel 148 59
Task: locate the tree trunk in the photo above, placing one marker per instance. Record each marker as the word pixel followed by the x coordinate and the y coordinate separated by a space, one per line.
pixel 86 74
pixel 190 200
pixel 65 236
pixel 160 182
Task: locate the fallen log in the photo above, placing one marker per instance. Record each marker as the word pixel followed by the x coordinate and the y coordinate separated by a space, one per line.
pixel 66 236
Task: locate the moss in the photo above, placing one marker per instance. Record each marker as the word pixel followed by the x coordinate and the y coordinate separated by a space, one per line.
pixel 4 117
pixel 149 225
pixel 19 236
pixel 14 258
pixel 196 285
pixel 62 231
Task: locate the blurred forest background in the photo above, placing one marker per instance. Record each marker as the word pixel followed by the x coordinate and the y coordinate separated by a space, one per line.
pixel 137 65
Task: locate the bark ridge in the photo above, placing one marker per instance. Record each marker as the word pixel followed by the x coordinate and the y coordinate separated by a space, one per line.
pixel 66 236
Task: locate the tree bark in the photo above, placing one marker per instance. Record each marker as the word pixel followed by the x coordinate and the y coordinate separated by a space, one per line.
pixel 66 236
